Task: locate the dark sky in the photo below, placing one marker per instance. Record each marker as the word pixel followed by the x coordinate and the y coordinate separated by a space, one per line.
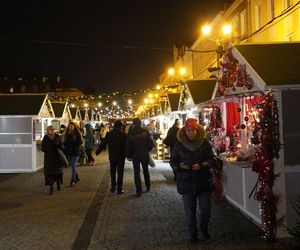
pixel 141 23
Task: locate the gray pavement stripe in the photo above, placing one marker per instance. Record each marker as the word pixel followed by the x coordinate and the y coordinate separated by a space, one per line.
pixel 85 232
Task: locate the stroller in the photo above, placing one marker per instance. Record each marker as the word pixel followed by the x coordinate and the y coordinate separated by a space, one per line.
pixel 83 158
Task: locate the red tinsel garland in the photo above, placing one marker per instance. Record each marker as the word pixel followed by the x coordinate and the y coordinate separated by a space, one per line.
pixel 266 136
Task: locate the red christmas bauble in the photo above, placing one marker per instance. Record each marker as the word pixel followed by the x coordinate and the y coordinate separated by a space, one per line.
pixel 246 118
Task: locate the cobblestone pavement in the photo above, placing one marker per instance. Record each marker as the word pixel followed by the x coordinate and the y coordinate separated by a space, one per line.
pixel 156 220
pixel 88 216
pixel 32 219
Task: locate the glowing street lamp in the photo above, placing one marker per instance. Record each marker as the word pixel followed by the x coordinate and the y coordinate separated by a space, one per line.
pixel 206 29
pixel 158 87
pixel 171 71
pixel 182 71
pixel 227 29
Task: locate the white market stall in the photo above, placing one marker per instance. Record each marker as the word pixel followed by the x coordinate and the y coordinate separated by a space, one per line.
pixel 258 92
pixel 23 122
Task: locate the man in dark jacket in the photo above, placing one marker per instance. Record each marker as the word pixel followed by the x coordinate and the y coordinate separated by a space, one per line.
pixel 171 139
pixel 139 144
pixel 192 159
pixel 115 140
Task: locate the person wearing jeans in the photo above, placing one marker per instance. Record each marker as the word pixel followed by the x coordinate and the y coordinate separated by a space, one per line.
pixel 137 177
pixel 192 158
pixel 72 141
pixel 138 146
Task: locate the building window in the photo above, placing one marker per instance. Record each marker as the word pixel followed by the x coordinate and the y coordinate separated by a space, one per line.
pixel 243 22
pixel 287 4
pixel 271 9
pixel 11 90
pixel 258 13
pixel 289 36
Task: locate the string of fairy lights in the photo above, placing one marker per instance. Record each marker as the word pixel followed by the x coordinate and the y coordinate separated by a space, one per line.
pixel 121 105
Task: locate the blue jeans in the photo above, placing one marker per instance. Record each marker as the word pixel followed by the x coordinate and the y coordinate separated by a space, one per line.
pixel 73 162
pixel 144 161
pixel 190 207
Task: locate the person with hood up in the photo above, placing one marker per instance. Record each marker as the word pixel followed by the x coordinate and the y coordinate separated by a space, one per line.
pixel 89 143
pixel 192 159
pixel 115 140
pixel 138 146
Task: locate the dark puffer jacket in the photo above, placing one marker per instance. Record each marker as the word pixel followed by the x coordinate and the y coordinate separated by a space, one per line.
pixel 139 143
pixel 52 165
pixel 190 152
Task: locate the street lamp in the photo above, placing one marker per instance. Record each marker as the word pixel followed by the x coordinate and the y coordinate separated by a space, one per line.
pixel 182 71
pixel 206 29
pixel 227 29
pixel 171 71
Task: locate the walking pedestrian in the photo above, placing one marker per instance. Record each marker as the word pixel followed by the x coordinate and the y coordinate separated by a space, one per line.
pixel 72 141
pixel 116 140
pixel 138 146
pixel 171 139
pixel 53 170
pixel 192 158
pixel 89 143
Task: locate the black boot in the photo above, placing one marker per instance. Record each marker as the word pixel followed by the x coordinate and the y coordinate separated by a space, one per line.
pixel 77 178
pixel 51 189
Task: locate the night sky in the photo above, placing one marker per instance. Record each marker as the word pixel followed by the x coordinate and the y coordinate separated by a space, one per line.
pixel 92 32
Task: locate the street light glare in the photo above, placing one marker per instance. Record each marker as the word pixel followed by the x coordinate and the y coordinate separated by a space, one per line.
pixel 182 71
pixel 227 29
pixel 158 87
pixel 171 71
pixel 206 29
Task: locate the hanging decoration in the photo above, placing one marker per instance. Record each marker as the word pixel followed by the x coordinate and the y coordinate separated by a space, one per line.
pixel 266 139
pixel 233 77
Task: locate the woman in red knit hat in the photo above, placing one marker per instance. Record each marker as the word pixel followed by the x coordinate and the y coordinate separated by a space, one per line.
pixel 192 159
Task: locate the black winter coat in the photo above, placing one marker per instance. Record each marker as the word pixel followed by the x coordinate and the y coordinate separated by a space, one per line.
pixel 52 165
pixel 139 143
pixel 116 140
pixel 72 143
pixel 171 138
pixel 191 181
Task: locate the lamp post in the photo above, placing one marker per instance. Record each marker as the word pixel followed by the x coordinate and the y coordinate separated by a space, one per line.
pixel 226 30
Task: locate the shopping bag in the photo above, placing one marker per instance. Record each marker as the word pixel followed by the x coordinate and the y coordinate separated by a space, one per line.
pixel 151 161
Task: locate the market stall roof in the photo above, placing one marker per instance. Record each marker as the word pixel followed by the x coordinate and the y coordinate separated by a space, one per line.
pixel 26 104
pixel 201 90
pixel 173 99
pixel 275 63
pixel 73 112
pixel 162 107
pixel 82 114
pixel 59 108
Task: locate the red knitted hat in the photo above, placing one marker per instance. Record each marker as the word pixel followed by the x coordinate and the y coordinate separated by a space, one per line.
pixel 191 122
